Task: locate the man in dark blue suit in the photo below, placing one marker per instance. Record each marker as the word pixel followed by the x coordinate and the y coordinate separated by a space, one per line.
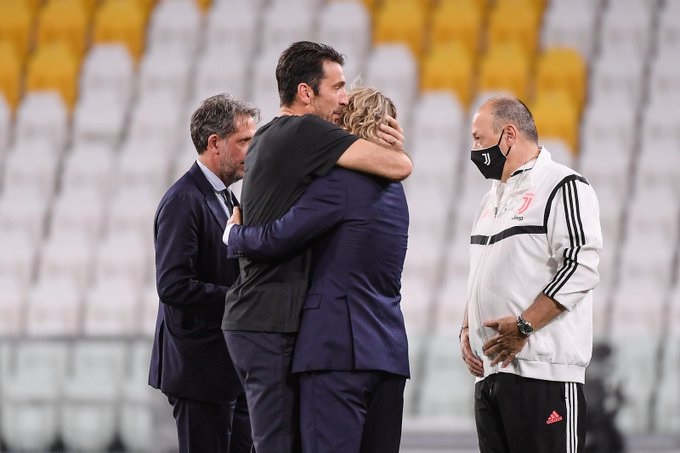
pixel 190 362
pixel 351 350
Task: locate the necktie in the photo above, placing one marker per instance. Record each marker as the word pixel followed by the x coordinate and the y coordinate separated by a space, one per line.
pixel 226 197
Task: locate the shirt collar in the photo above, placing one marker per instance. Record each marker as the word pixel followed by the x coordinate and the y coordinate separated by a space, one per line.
pixel 212 178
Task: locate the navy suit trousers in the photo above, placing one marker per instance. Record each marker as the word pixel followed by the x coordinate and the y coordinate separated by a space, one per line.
pixel 351 411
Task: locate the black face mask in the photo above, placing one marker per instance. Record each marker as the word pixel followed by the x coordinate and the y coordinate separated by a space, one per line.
pixel 490 161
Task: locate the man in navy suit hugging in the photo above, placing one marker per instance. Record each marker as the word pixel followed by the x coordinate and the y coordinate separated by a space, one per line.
pixel 351 352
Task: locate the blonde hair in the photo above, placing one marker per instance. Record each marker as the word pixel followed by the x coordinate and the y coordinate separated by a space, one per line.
pixel 365 111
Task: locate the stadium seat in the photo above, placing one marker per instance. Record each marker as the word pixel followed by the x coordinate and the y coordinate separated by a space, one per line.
pixel 18 259
pixel 53 67
pixel 401 22
pixel 165 71
pixel 123 257
pixel 67 255
pixel 263 90
pixel 505 67
pixel 557 117
pixel 64 21
pixel 604 163
pixel 559 150
pixel 571 24
pixel 646 256
pixel 617 74
pixel 149 169
pixel 609 121
pixel 88 167
pixel 120 21
pixel 149 311
pixel 232 37
pixel 10 75
pixel 562 68
pixel 23 210
pixel 392 68
pixel 437 118
pixel 661 120
pixel 110 307
pixel 43 115
pixel 523 29
pixel 626 26
pixel 132 210
pixel 5 127
pixel 155 118
pixel 99 120
pixel 91 393
pixel 16 19
pixel 54 307
pixel 79 211
pixel 211 78
pixel 448 386
pixel 12 301
pixel 284 22
pixel 632 321
pixel 30 396
pixel 108 68
pixel 346 26
pixel 416 297
pixel 137 421
pixel 457 21
pixel 175 26
pixel 452 301
pixel 664 79
pixel 449 67
pixel 41 175
pixel 658 164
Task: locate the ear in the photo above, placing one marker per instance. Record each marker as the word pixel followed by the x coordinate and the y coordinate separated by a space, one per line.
pixel 511 134
pixel 212 143
pixel 304 92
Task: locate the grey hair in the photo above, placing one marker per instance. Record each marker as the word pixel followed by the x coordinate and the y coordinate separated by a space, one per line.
pixel 218 115
pixel 506 109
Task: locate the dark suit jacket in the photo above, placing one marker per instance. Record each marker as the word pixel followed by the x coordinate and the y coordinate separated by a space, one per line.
pixel 358 226
pixel 189 357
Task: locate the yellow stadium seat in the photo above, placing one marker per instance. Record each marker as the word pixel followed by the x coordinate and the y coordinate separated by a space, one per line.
pixel 372 5
pixel 521 25
pixel 64 21
pixel 562 68
pixel 121 21
pixel 53 67
pixel 16 19
pixel 10 74
pixel 505 67
pixel 401 21
pixel 459 20
pixel 449 67
pixel 509 6
pixel 204 4
pixel 146 7
pixel 556 116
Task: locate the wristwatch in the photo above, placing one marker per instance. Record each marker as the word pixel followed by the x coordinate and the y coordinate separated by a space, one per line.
pixel 524 326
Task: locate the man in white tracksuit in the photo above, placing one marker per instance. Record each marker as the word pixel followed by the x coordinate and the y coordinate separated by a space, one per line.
pixel 527 330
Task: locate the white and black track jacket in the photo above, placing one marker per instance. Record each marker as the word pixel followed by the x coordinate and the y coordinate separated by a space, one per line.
pixel 538 232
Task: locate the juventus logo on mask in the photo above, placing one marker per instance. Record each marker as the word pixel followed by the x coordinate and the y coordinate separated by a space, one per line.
pixel 490 161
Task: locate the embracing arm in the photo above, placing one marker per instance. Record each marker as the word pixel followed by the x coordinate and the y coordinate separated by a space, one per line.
pixel 320 208
pixel 387 159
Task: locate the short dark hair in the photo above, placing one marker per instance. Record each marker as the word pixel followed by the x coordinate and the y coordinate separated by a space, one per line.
pixel 218 115
pixel 508 109
pixel 302 62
